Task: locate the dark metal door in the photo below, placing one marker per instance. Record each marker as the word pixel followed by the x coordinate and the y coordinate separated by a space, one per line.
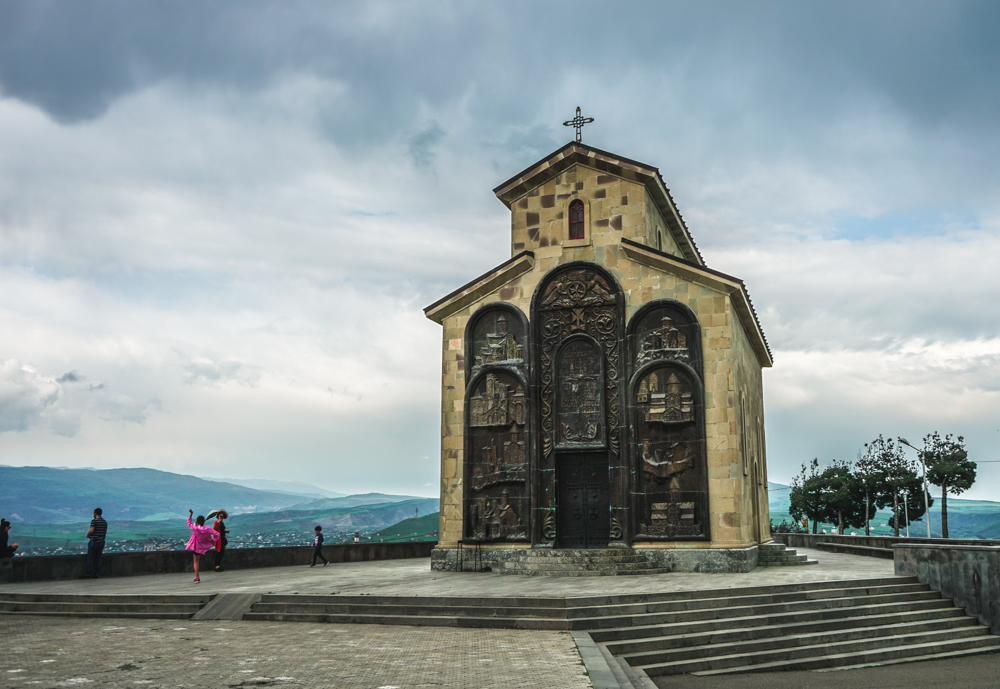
pixel 583 503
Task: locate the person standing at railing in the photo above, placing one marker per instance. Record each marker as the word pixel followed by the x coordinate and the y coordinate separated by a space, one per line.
pixel 95 548
pixel 202 540
pixel 6 550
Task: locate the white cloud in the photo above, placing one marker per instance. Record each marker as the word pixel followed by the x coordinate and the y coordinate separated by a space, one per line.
pixel 25 395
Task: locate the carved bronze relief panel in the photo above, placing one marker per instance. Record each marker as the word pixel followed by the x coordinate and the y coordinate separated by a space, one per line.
pixel 665 330
pixel 496 477
pixel 497 335
pixel 497 502
pixel 580 395
pixel 668 421
pixel 578 378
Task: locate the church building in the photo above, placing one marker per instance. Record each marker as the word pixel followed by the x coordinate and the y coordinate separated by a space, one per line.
pixel 602 388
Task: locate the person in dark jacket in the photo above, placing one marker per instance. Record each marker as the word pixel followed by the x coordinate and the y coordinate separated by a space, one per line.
pixel 6 550
pixel 220 545
pixel 95 548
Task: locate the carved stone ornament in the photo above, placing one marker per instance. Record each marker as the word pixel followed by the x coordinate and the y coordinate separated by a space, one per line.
pixel 496 470
pixel 496 335
pixel 672 519
pixel 616 529
pixel 496 520
pixel 669 434
pixel 497 405
pixel 665 330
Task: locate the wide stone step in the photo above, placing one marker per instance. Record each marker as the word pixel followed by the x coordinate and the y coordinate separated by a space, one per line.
pixel 436 601
pixel 642 626
pixel 578 561
pixel 105 598
pixel 829 607
pixel 954 628
pixel 578 572
pixel 740 601
pixel 137 615
pixel 420 621
pixel 607 554
pixel 988 643
pixel 407 610
pixel 7 606
pixel 595 567
pixel 918 658
pixel 939 618
pixel 815 589
pixel 816 653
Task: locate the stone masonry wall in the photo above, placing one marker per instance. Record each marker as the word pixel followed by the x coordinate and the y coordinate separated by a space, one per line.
pixel 747 415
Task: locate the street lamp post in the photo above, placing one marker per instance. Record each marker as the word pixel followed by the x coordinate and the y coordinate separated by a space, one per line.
pixel 927 507
pixel 906 511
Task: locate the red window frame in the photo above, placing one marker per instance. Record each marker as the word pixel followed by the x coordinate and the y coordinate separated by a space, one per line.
pixel 576 227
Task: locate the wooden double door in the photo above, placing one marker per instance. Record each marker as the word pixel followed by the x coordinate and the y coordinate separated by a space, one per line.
pixel 583 500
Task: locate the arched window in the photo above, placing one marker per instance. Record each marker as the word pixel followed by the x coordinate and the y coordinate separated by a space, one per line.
pixel 576 220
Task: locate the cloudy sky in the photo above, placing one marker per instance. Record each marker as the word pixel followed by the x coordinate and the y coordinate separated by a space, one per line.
pixel 219 223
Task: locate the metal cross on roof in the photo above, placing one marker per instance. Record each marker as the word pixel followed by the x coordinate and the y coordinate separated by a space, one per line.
pixel 578 122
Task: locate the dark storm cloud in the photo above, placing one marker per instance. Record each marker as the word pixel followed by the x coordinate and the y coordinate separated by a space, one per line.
pixel 933 60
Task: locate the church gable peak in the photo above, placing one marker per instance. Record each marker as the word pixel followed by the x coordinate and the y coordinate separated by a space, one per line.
pixel 529 182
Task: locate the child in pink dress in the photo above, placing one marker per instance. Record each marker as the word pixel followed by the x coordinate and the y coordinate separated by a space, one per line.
pixel 202 540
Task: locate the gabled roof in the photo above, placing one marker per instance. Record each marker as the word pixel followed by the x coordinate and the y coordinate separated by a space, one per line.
pixel 575 153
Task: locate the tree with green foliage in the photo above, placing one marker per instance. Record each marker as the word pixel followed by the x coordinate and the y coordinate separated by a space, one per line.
pixel 903 487
pixel 948 467
pixel 891 479
pixel 843 495
pixel 870 477
pixel 806 497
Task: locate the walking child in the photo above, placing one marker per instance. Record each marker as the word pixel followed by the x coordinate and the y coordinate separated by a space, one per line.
pixel 202 540
pixel 318 547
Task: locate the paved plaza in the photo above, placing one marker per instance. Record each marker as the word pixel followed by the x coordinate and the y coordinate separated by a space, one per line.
pixel 415 578
pixel 68 652
pixel 61 652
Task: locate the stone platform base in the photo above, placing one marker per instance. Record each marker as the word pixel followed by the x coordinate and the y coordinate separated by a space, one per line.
pixel 609 562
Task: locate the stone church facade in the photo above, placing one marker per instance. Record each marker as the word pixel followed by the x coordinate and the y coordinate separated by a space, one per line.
pixel 602 388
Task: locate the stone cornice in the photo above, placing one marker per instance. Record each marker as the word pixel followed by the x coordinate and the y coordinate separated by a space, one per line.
pixel 477 289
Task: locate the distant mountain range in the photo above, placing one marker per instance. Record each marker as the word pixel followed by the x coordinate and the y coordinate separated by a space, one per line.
pixel 306 490
pixel 47 495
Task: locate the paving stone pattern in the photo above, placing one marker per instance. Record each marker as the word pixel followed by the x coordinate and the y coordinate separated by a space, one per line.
pixel 45 652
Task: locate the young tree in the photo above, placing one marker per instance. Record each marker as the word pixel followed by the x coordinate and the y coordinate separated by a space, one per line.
pixel 888 477
pixel 806 497
pixel 844 496
pixel 868 470
pixel 908 488
pixel 949 467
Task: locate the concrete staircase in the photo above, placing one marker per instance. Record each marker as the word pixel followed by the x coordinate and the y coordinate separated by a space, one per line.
pixel 807 626
pixel 839 625
pixel 579 563
pixel 779 555
pixel 143 606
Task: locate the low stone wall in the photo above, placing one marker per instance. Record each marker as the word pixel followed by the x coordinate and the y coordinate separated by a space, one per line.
pixel 52 567
pixel 968 574
pixel 804 540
